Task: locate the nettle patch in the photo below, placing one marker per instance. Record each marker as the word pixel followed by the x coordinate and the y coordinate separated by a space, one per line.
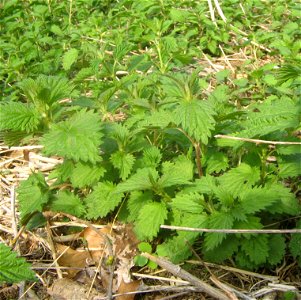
pixel 141 132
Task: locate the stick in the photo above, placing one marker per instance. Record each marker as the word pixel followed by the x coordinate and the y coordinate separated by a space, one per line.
pixel 229 137
pixel 178 271
pixel 231 230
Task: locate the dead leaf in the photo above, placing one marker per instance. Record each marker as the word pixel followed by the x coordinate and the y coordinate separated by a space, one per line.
pixel 72 258
pixel 127 288
pixel 67 289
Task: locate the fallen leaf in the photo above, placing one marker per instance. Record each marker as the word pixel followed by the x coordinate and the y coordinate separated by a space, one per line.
pixel 127 288
pixel 72 258
pixel 67 289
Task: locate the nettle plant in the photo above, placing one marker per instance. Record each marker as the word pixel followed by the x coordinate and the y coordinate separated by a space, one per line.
pixel 162 164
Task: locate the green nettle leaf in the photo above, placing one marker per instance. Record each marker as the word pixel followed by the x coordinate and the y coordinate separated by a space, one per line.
pixel 216 162
pixel 187 203
pixel 218 220
pixel 77 138
pixel 46 90
pixel 67 202
pixel 295 244
pixel 174 249
pixel 256 249
pixel 56 30
pixel 276 249
pixel 271 116
pixel 123 162
pixel 151 157
pixel 86 174
pixel 19 117
pixel 150 218
pixel 237 179
pixel 225 250
pixel 195 118
pixel 63 171
pixel 205 185
pixel 179 172
pixel 13 269
pixel 69 58
pixel 287 201
pixel 257 199
pixel 33 194
pixel 143 179
pixel 136 202
pixel 160 118
pixel 102 200
pixel 290 165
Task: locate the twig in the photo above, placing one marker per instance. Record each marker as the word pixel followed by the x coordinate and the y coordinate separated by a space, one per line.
pixel 178 271
pixel 235 270
pixel 152 289
pixel 226 59
pixel 159 278
pixel 40 276
pixel 231 230
pixel 53 250
pixel 256 141
pixel 174 296
pixel 108 244
pixel 32 147
pixel 219 10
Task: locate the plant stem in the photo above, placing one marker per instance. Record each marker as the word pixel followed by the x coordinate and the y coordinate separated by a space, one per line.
pixel 198 158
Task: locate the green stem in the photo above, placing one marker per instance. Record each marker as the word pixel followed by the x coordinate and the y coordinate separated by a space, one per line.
pixel 198 158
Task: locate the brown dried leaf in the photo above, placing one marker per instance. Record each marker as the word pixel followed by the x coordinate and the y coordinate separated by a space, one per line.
pixel 127 288
pixel 67 289
pixel 72 258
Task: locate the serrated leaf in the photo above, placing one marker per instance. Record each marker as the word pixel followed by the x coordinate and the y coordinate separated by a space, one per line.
pixel 63 171
pixel 151 157
pixel 136 202
pixel 150 218
pixel 69 58
pixel 176 173
pixel 13 269
pixel 225 250
pixel 177 248
pixel 174 250
pixel 143 179
pixel 256 249
pixel 67 202
pixel 257 199
pixel 276 249
pixel 56 30
pixel 187 203
pixel 238 178
pixel 218 220
pixel 196 119
pixel 216 162
pixel 295 244
pixel 102 200
pixel 77 138
pixel 287 201
pixel 33 194
pixel 19 117
pixel 123 162
pixel 205 185
pixel 86 174
pixel 290 166
pixel 46 89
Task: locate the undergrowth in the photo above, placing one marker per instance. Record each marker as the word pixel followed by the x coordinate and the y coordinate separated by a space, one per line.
pixel 115 89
